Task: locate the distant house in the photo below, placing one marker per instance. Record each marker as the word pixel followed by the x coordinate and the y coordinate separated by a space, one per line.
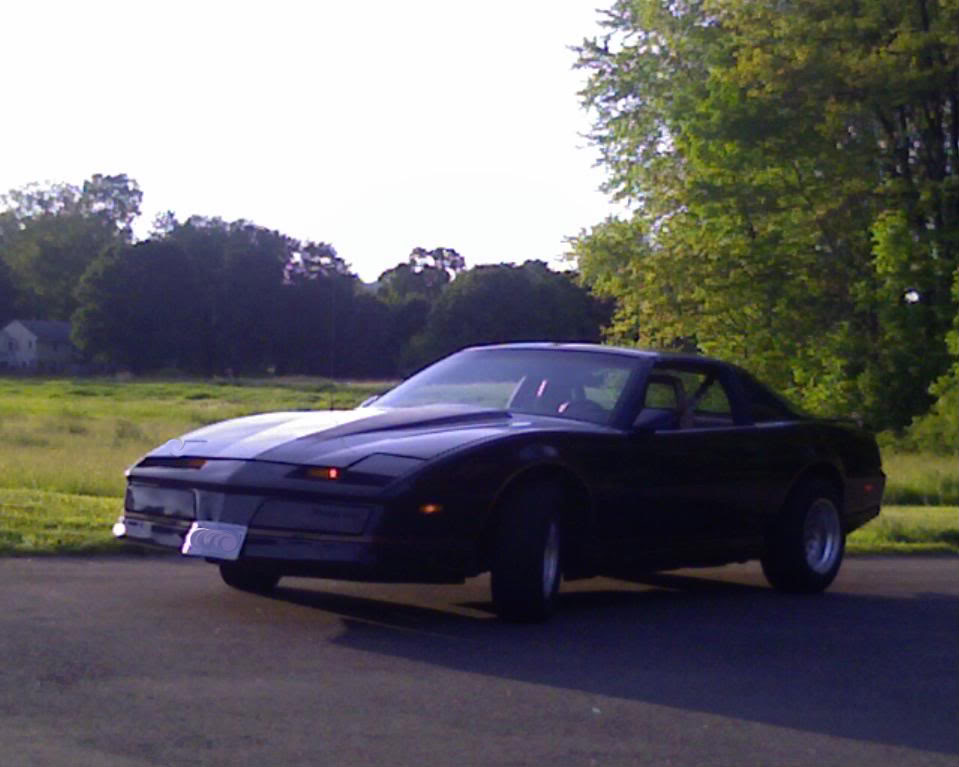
pixel 36 345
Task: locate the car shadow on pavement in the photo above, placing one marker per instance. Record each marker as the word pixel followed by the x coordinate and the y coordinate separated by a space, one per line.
pixel 865 667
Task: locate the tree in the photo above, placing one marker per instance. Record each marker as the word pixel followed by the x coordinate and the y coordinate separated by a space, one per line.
pixel 366 344
pixel 938 429
pixel 236 273
pixel 328 324
pixel 204 297
pixel 49 235
pixel 793 170
pixel 315 312
pixel 8 294
pixel 410 290
pixel 213 297
pixel 115 200
pixel 446 259
pixel 425 274
pixel 500 303
pixel 403 282
pixel 137 307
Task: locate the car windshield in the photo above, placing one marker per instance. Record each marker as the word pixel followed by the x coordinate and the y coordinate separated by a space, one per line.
pixel 580 385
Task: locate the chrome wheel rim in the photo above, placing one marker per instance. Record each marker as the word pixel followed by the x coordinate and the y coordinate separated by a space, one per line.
pixel 822 535
pixel 550 559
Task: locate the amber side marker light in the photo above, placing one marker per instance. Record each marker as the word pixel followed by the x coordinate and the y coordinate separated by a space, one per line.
pixel 324 472
pixel 431 508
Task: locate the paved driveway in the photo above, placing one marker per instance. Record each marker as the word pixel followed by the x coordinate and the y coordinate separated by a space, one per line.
pixel 153 662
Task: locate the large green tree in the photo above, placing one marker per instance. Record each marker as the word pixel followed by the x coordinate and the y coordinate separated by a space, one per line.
pixel 49 235
pixel 503 302
pixel 410 289
pixel 137 308
pixel 212 297
pixel 236 272
pixel 204 296
pixel 938 429
pixel 424 275
pixel 329 325
pixel 792 168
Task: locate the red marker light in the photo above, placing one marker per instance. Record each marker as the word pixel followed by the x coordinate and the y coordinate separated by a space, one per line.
pixel 323 472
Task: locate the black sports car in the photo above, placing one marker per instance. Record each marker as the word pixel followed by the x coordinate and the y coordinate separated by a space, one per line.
pixel 532 461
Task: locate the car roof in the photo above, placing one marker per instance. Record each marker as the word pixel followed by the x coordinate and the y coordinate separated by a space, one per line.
pixel 645 354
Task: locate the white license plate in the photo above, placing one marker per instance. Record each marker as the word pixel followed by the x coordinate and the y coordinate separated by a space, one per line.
pixel 215 540
pixel 132 528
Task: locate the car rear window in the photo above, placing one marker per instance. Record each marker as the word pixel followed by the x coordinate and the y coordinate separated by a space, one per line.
pixel 765 406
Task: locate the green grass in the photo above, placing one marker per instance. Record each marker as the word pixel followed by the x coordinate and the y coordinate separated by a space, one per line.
pixel 77 437
pixel 39 522
pixel 909 530
pixel 921 479
pixel 64 445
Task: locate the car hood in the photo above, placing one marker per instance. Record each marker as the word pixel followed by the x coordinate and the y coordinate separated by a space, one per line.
pixel 341 437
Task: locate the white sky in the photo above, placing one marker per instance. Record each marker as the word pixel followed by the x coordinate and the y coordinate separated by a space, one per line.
pixel 376 126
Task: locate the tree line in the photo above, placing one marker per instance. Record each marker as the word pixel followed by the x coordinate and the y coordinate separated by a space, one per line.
pixel 792 170
pixel 210 297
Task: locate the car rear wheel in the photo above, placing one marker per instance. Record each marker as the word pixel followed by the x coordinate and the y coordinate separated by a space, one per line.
pixel 527 557
pixel 806 546
pixel 244 578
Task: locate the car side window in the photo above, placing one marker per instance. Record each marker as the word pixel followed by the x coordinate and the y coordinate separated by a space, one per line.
pixel 659 394
pixel 713 404
pixel 664 403
pixel 696 397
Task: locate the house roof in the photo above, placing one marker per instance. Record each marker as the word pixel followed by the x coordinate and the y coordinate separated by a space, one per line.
pixel 50 331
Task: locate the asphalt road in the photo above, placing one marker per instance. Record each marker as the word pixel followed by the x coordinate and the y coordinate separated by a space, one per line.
pixel 153 661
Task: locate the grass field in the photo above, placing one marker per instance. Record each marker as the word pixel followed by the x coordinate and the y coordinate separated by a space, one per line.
pixel 78 436
pixel 64 445
pixel 909 530
pixel 41 522
pixel 921 479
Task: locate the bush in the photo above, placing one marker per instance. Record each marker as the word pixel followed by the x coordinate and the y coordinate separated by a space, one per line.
pixel 938 430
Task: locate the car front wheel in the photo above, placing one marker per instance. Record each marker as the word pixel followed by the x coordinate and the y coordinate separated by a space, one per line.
pixel 527 556
pixel 806 546
pixel 244 578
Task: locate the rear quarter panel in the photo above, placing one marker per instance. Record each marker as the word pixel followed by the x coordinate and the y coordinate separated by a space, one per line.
pixel 796 451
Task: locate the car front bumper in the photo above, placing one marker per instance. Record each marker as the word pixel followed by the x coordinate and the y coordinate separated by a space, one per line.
pixel 311 537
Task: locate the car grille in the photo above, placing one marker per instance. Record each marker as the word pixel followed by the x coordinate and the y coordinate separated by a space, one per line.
pixel 313 517
pixel 160 501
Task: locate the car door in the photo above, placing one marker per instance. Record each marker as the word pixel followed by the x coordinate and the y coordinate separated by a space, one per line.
pixel 690 475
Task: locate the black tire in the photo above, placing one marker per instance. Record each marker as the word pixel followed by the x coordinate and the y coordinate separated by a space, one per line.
pixel 244 578
pixel 805 548
pixel 526 565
